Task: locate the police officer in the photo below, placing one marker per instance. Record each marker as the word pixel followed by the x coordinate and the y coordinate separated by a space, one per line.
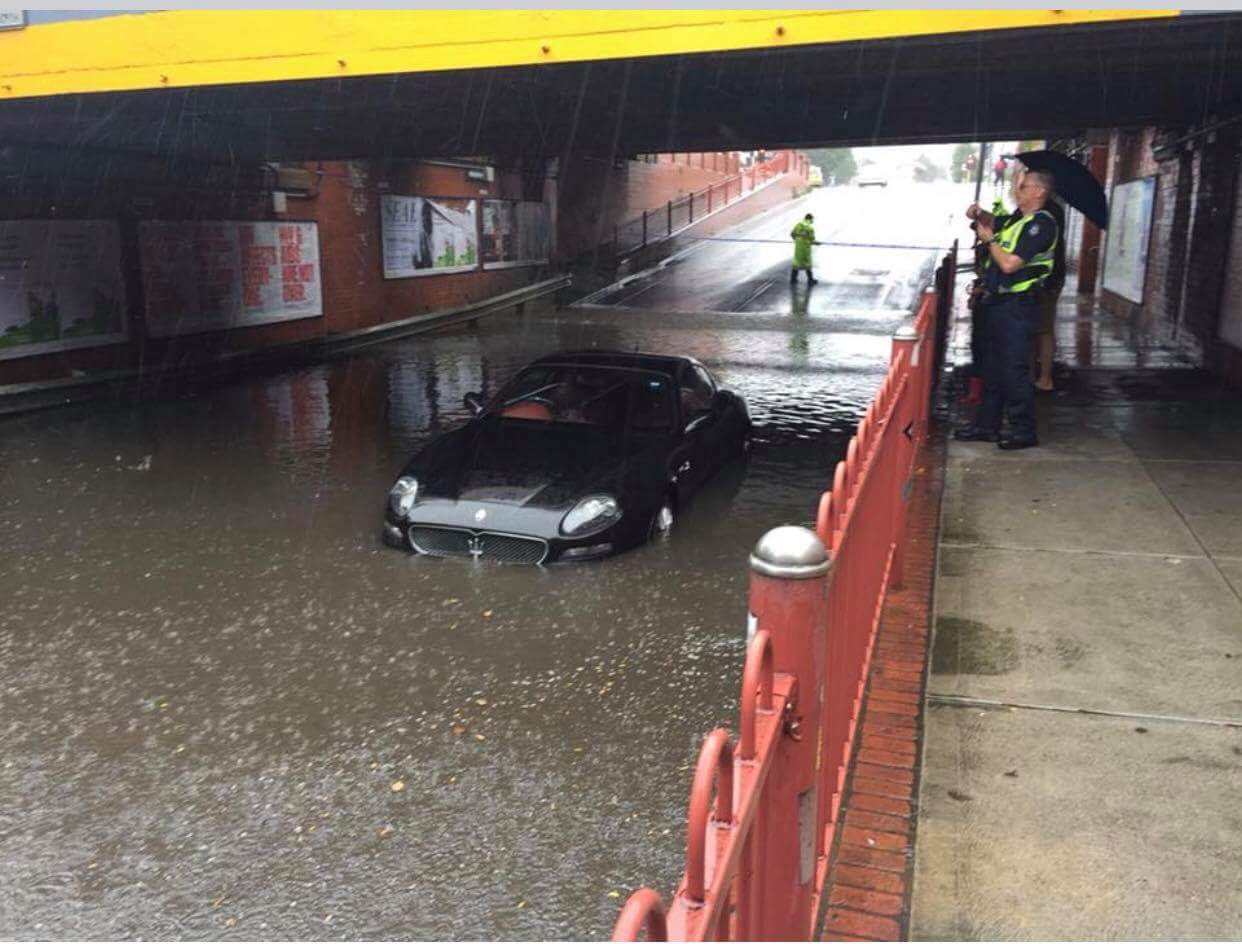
pixel 803 235
pixel 974 373
pixel 1020 259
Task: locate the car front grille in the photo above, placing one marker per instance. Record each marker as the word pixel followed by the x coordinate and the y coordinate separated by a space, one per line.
pixel 486 545
pixel 441 542
pixel 511 550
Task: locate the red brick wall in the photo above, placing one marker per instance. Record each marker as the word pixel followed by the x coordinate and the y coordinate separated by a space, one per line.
pixel 1193 219
pixel 356 294
pixel 595 194
pixel 1212 226
pixel 1226 356
pixel 345 204
pixel 1130 159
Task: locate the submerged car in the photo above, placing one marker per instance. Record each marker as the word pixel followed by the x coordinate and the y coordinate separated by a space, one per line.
pixel 581 455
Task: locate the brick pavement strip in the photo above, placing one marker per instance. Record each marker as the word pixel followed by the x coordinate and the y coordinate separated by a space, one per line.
pixel 891 806
pixel 861 899
pixel 871 871
pixel 878 821
pixel 861 876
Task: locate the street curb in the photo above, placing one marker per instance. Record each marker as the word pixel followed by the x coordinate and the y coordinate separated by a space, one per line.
pixel 870 882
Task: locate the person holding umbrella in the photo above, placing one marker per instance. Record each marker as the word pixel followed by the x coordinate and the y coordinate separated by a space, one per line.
pixel 1020 260
pixel 1049 295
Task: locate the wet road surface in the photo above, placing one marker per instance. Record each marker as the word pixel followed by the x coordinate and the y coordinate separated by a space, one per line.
pixel 748 269
pixel 227 711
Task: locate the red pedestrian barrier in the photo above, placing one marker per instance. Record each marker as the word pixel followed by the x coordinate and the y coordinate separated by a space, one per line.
pixel 756 865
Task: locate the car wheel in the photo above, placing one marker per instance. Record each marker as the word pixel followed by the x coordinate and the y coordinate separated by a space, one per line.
pixel 662 521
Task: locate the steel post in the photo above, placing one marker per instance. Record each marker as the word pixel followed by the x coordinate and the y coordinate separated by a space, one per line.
pixel 907 348
pixel 788 599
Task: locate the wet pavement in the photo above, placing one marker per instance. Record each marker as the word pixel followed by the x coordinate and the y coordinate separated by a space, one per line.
pixel 1084 726
pixel 227 711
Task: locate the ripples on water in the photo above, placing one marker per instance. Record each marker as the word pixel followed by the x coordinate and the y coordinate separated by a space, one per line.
pixel 214 675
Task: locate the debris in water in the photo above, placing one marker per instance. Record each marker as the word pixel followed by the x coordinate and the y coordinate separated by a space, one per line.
pixel 397 786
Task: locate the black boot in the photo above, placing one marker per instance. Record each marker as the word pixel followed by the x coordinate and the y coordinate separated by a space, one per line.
pixel 793 276
pixel 975 434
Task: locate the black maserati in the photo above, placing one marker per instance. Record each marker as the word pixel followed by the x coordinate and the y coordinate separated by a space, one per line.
pixel 581 455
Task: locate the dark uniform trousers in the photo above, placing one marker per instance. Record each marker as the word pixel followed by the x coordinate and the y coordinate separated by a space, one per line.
pixel 1010 324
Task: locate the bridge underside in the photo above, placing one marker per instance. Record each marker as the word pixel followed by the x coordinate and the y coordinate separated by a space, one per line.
pixel 1023 83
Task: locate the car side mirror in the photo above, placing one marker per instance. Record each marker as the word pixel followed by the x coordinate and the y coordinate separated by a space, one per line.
pixel 720 401
pixel 474 403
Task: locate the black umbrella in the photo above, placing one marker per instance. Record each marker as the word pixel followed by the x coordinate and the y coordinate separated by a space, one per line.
pixel 1075 184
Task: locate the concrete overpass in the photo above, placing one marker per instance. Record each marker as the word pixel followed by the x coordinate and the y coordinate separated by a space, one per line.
pixel 292 85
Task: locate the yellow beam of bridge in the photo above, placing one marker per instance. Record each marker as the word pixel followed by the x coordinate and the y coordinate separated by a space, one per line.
pixel 183 48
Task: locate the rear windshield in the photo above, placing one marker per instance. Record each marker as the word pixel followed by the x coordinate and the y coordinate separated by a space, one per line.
pixel 597 396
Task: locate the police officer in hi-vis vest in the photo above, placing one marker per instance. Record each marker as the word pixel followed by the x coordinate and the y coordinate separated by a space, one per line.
pixel 1020 259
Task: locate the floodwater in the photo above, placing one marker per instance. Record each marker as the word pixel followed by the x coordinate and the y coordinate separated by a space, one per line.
pixel 227 711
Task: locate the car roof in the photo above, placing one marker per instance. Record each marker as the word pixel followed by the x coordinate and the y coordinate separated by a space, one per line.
pixel 634 360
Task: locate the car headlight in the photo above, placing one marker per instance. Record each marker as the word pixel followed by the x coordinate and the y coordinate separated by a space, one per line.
pixel 403 496
pixel 593 513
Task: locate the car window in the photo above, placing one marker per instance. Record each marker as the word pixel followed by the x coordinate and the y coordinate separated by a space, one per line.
pixel 597 396
pixel 697 391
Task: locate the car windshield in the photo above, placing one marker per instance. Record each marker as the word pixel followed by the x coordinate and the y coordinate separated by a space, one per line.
pixel 597 396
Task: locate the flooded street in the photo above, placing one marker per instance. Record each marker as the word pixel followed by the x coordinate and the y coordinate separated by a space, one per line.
pixel 228 711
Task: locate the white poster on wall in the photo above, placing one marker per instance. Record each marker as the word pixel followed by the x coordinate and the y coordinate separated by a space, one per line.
pixel 515 233
pixel 1128 238
pixel 61 286
pixel 428 235
pixel 212 275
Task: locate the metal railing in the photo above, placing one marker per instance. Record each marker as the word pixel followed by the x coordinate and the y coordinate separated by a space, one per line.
pixel 663 222
pixel 757 857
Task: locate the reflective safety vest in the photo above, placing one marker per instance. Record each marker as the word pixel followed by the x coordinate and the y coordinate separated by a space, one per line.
pixel 1039 266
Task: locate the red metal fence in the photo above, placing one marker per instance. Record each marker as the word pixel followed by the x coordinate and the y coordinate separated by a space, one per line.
pixel 757 856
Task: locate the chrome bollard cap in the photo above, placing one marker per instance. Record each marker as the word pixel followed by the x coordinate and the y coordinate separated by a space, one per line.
pixel 790 553
pixel 905 332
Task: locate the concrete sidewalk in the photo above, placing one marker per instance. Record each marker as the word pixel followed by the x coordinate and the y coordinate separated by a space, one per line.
pixel 1082 766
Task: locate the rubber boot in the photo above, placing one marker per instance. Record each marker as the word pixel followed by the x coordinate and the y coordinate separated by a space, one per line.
pixel 793 276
